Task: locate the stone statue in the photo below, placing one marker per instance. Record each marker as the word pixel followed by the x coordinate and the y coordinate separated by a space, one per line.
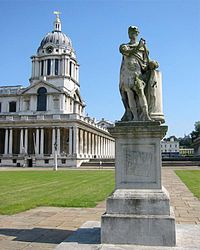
pixel 137 79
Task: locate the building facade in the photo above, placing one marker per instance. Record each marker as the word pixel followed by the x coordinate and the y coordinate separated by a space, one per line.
pixel 170 147
pixel 48 117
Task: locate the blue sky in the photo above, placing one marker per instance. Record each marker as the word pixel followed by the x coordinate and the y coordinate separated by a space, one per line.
pixel 97 28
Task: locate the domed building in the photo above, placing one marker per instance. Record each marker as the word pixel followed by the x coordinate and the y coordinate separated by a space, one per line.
pixel 47 118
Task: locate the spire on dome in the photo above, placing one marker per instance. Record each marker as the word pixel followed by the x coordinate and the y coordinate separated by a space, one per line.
pixel 57 23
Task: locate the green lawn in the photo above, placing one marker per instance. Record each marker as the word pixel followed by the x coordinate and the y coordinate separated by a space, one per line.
pixel 22 190
pixel 191 178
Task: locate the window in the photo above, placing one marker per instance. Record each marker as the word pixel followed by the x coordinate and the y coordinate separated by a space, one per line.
pixel 42 99
pixel 46 161
pixel 63 161
pixel 12 107
pixel 42 68
pixel 56 67
pixel 48 67
pixel 14 160
pixel 70 68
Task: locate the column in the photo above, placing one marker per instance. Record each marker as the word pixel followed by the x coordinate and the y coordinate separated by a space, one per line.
pixel 41 141
pixel 102 155
pixel 109 153
pixel 85 142
pixel 98 146
pixel 58 141
pixel 21 141
pixel 93 151
pixel 75 140
pixel 81 141
pixel 95 145
pixel 106 147
pixel 36 68
pixel 45 67
pixel 10 142
pixel 65 66
pixel 33 68
pixel 52 67
pixel 70 141
pixel 68 67
pixel 61 67
pixel 6 142
pixel 53 141
pixel 26 141
pixel 89 144
pixel 37 142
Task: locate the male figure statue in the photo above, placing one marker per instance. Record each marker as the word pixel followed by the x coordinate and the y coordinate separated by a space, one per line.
pixel 137 81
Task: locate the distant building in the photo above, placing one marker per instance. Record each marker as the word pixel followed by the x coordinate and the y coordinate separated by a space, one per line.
pixel 105 123
pixel 170 147
pixel 186 151
pixel 48 115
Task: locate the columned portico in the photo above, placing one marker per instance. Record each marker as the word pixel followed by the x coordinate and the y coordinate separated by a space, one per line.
pixel 49 112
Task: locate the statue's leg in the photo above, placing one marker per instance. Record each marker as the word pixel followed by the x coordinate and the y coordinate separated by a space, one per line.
pixel 143 104
pixel 132 104
pixel 127 114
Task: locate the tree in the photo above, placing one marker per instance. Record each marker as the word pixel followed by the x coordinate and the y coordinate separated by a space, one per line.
pixel 196 132
pixel 186 141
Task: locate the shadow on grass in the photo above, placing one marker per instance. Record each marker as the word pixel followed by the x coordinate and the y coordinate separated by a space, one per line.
pixel 39 235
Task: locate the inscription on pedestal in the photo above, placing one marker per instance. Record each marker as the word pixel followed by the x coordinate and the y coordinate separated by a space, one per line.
pixel 138 163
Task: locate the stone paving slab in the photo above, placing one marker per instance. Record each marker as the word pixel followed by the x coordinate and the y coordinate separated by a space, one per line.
pixel 87 237
pixel 186 206
pixel 46 227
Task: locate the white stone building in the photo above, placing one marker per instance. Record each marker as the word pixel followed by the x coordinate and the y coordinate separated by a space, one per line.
pixel 170 147
pixel 49 114
pixel 105 123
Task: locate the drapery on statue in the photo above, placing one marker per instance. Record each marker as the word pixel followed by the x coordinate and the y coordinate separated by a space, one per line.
pixel 137 79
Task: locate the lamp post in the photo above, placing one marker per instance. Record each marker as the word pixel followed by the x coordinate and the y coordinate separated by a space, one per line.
pixel 55 157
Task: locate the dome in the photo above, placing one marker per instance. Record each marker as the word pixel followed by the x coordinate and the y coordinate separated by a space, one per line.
pixel 58 39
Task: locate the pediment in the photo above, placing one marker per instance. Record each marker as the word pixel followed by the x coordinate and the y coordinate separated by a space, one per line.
pixel 32 89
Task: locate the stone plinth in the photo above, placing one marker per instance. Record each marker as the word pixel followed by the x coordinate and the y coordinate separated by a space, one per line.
pixel 138 212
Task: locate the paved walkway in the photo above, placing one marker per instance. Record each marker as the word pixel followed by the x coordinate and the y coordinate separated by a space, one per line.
pixel 45 227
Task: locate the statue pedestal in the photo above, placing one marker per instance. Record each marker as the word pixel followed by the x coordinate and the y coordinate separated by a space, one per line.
pixel 138 212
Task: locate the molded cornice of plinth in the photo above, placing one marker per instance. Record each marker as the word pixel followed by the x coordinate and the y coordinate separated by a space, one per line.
pixel 138 129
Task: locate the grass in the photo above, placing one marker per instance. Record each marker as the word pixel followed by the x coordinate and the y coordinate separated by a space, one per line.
pixel 191 178
pixel 22 190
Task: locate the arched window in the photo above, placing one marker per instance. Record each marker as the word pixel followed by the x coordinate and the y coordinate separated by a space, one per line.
pixel 42 99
